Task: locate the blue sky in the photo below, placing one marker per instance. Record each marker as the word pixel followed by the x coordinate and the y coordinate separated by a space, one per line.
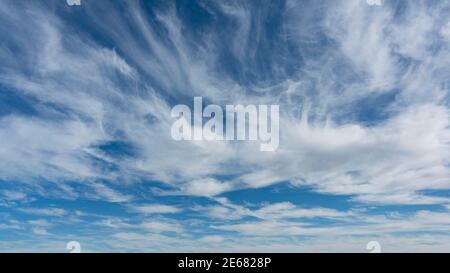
pixel 86 152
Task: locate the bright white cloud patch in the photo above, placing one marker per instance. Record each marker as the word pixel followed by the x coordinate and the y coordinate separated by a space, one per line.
pixel 155 209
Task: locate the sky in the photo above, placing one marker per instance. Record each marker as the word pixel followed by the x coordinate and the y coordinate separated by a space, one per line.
pixel 86 153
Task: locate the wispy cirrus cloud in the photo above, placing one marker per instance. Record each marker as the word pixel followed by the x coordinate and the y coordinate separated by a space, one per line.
pixel 363 91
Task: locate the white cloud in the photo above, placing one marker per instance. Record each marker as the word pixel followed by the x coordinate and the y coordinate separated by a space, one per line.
pixel 14 195
pixel 114 223
pixel 212 239
pixel 44 211
pixel 40 231
pixel 73 2
pixel 107 193
pixel 155 209
pixel 288 210
pixel 445 31
pixel 40 222
pixel 271 211
pixel 206 187
pixel 357 225
pixel 158 226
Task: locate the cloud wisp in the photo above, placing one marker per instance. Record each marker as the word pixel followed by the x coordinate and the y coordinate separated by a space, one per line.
pixel 85 118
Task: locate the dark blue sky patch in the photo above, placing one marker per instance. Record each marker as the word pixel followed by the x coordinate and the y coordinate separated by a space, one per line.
pixel 118 149
pixel 285 192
